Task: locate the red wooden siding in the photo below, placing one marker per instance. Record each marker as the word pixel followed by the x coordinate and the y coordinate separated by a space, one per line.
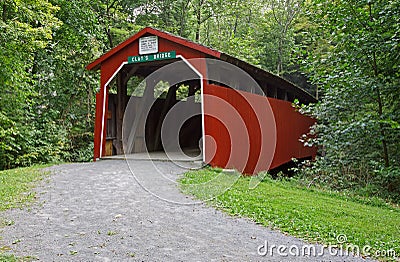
pixel 290 126
pixel 241 134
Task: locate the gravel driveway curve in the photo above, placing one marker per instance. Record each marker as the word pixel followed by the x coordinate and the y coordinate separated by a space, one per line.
pixel 98 212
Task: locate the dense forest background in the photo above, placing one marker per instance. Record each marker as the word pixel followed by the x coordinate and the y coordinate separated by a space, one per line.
pixel 346 53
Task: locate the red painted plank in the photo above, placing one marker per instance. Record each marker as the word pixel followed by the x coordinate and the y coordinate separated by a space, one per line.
pixel 242 132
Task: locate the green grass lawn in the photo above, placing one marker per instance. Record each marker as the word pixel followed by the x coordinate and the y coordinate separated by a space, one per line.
pixel 16 185
pixel 315 216
pixel 16 191
pixel 7 258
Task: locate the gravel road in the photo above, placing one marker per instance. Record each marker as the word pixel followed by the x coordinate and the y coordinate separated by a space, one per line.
pixel 99 212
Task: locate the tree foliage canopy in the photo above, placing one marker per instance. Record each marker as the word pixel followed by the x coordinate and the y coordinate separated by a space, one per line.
pixel 355 60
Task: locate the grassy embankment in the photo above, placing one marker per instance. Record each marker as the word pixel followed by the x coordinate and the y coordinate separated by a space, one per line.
pixel 313 215
pixel 16 191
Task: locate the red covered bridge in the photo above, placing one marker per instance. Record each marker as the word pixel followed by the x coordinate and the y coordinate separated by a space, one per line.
pixel 236 115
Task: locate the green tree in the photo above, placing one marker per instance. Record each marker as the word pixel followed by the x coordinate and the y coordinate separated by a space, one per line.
pixel 26 28
pixel 279 36
pixel 358 70
pixel 66 88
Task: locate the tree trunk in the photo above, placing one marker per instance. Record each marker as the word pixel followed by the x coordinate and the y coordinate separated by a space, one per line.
pixel 382 130
pixel 185 6
pixel 280 54
pixel 198 21
pixel 379 100
pixel 109 37
pixel 380 114
pixel 4 13
pixel 235 25
pixel 107 26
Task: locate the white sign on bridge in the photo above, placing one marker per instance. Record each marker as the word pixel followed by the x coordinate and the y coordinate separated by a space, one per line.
pixel 148 45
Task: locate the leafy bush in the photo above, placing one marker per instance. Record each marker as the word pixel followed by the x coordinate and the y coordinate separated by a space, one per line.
pixel 358 113
pixel 366 180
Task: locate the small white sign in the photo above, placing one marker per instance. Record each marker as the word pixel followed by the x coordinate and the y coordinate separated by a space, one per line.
pixel 148 45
